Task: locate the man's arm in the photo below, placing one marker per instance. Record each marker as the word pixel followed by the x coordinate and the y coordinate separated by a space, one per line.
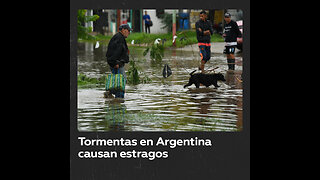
pixel 210 31
pixel 237 30
pixel 207 32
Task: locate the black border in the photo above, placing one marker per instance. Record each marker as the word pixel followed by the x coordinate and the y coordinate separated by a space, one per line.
pixel 229 158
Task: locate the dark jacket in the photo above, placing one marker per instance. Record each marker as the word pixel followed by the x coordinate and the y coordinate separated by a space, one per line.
pixel 203 25
pixel 118 52
pixel 232 32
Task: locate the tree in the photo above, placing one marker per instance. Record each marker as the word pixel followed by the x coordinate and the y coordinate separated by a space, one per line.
pixel 166 19
pixel 83 32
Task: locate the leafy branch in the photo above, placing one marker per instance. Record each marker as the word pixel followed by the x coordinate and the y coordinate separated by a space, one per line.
pixel 83 32
pixel 156 52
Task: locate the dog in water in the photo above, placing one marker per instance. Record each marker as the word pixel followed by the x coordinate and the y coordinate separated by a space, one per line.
pixel 205 79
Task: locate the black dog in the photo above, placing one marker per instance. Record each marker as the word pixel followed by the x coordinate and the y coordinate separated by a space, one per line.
pixel 205 79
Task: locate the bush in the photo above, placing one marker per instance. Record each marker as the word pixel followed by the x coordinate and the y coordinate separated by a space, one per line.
pixel 83 32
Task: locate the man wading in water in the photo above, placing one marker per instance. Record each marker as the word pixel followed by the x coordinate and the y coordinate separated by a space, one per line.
pixel 204 31
pixel 118 54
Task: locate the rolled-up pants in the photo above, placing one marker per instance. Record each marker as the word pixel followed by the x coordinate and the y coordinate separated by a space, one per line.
pixel 205 51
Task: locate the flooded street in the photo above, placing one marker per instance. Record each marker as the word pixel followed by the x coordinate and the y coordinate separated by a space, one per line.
pixel 163 104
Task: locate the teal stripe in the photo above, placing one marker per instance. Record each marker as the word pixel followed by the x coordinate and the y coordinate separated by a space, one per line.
pixel 123 84
pixel 118 82
pixel 108 82
pixel 113 79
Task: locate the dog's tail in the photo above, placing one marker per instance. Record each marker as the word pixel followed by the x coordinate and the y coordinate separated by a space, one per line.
pixel 192 72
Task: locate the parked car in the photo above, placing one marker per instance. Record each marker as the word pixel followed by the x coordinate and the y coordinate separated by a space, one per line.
pixel 239 40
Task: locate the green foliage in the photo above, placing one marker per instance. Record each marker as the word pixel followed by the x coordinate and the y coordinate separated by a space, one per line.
pixel 156 52
pixel 166 38
pixel 134 77
pixel 145 79
pixel 188 37
pixel 83 32
pixel 84 81
pixel 166 19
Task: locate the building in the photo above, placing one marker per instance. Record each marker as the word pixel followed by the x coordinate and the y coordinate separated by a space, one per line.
pixel 186 18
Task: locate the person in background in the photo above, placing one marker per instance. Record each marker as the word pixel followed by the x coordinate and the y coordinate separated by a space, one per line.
pixel 231 33
pixel 118 53
pixel 146 19
pixel 204 31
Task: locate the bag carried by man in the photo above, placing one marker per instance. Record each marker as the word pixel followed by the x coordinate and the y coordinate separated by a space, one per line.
pixel 115 82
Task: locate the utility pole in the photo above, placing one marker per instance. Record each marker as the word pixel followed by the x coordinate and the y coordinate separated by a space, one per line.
pixel 141 20
pixel 131 19
pixel 223 22
pixel 118 19
pixel 174 27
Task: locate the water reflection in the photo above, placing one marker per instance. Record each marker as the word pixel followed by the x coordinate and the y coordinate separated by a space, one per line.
pixel 115 118
pixel 234 79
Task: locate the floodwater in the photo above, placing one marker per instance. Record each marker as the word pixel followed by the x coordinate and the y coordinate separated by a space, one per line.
pixel 163 104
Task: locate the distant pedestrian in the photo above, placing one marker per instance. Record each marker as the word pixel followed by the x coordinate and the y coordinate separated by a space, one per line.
pixel 147 20
pixel 204 31
pixel 118 53
pixel 231 33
